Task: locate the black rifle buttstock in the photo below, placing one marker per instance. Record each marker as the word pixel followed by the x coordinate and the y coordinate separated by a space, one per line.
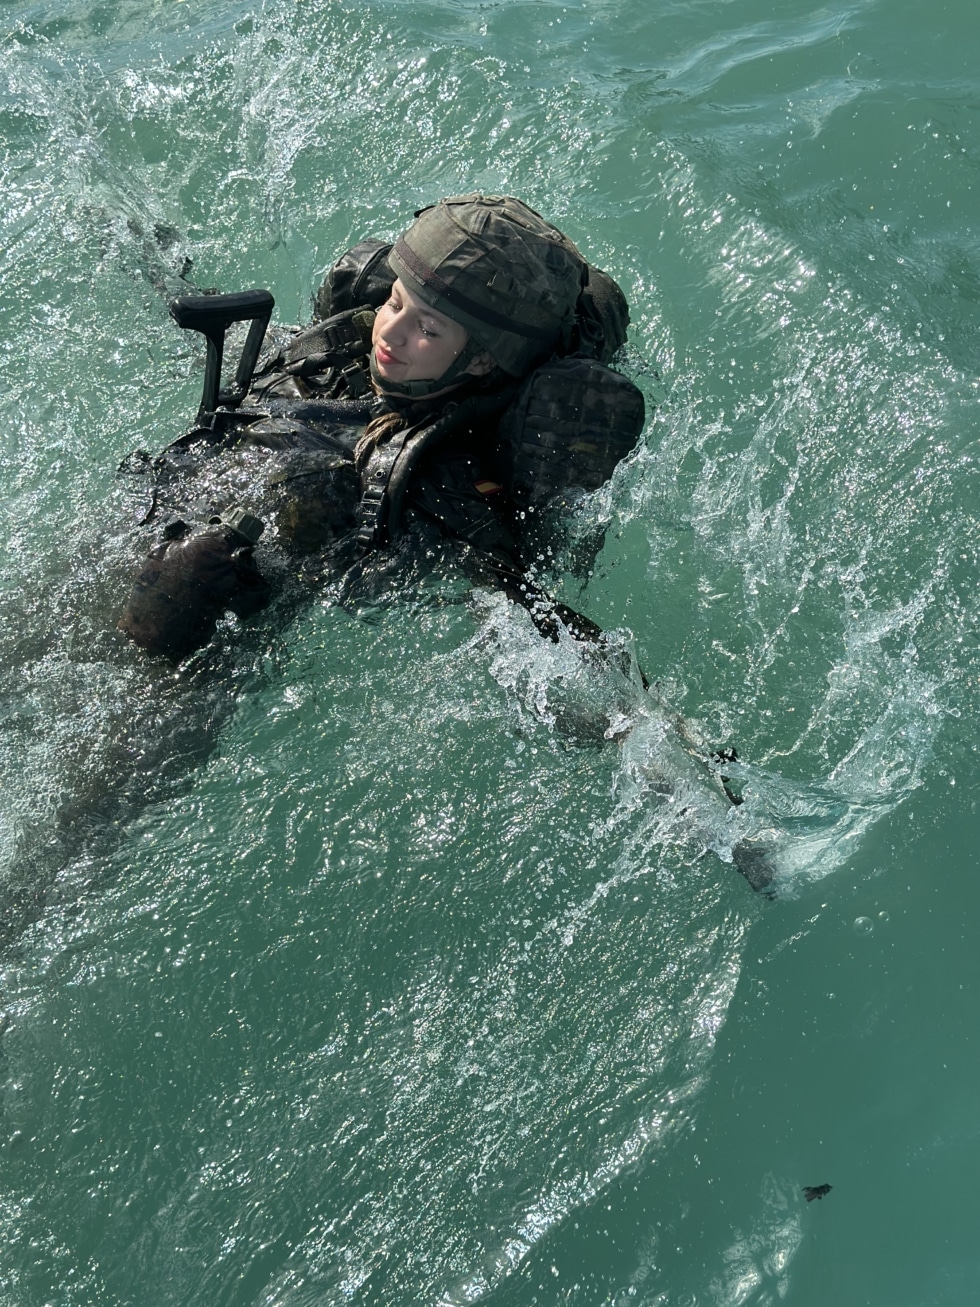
pixel 212 315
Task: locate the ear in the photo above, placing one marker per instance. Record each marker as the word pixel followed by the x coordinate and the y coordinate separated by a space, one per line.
pixel 480 366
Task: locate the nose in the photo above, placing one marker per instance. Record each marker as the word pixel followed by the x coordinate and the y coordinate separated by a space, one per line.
pixel 393 325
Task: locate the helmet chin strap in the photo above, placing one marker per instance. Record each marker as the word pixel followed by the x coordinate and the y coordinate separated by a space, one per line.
pixel 422 389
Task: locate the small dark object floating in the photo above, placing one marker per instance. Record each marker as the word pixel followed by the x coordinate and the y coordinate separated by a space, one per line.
pixel 816 1191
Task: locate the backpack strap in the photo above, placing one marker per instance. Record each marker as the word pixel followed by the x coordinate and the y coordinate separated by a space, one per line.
pixel 342 341
pixel 330 343
pixel 390 466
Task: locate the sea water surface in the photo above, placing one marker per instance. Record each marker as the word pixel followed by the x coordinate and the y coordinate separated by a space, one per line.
pixel 339 970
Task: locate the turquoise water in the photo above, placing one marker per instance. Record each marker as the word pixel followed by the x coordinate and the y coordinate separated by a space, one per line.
pixel 351 976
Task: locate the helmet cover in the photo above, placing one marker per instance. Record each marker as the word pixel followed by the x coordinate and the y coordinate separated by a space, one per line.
pixel 498 269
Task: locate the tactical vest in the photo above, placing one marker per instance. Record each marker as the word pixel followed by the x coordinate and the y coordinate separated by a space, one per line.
pixel 564 426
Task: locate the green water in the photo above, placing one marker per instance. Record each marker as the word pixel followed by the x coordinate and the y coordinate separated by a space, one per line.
pixel 359 981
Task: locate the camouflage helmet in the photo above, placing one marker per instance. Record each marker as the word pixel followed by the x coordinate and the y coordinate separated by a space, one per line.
pixel 498 269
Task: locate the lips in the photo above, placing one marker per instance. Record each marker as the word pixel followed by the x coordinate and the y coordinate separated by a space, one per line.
pixel 384 358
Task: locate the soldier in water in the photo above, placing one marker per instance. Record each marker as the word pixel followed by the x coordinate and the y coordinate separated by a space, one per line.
pixel 452 387
pixel 452 390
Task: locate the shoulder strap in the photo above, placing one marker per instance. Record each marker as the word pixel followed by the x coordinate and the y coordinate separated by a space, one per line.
pixel 390 466
pixel 375 518
pixel 342 341
pixel 330 342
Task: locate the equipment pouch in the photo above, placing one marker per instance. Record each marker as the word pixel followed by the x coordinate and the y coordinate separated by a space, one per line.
pixel 571 423
pixel 194 574
pixel 360 276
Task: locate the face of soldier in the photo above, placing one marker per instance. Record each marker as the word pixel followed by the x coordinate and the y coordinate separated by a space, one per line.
pixel 415 343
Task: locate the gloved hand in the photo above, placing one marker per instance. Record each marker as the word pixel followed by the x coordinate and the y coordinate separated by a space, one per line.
pixel 193 576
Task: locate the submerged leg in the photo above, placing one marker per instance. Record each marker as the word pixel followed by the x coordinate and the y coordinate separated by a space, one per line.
pixel 86 747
